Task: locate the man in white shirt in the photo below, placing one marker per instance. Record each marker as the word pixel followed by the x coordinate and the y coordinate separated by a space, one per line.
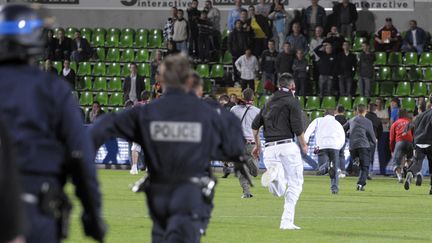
pixel 247 112
pixel 247 65
pixel 330 138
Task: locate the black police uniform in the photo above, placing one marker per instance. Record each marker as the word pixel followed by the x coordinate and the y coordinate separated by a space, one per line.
pixel 179 134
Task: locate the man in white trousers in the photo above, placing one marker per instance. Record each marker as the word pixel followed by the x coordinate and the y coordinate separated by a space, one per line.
pixel 281 119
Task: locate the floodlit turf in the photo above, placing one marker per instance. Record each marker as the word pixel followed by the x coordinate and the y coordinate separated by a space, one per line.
pixel 385 212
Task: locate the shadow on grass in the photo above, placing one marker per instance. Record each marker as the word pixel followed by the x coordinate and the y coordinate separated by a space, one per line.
pixel 372 235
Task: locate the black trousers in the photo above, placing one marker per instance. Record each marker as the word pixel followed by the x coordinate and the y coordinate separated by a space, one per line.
pixel 363 155
pixel 245 83
pixel 419 155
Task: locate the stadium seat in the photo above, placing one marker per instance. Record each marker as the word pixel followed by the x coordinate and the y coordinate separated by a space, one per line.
pixel 98 40
pixel 217 71
pixel 227 58
pixel 85 83
pixel 208 86
pixel 328 102
pixel 116 99
pixel 142 31
pixel 99 30
pixel 358 41
pixel 360 100
pixel 349 114
pixel 155 41
pixel 428 74
pixel 419 89
pixel 408 103
pixel 403 89
pixel 128 31
pixel 113 31
pixel 70 32
pixel 394 58
pixel 112 39
pixel 147 84
pixel 144 69
pixel 316 114
pixel 263 100
pixel 203 70
pixel 86 33
pixel 141 41
pixel 425 59
pixel 100 84
pixel 410 59
pixel 84 69
pixel 380 58
pixel 383 74
pixel 142 55
pixel 312 103
pixel 99 69
pixel 225 33
pixel 386 89
pixel 56 30
pixel 102 98
pixel 73 66
pixel 125 71
pixel 100 52
pixel 113 69
pixel 127 38
pixel 86 98
pixel 346 102
pixel 58 65
pixel 113 55
pixel 128 55
pixel 415 74
pixel 115 84
pixel 117 109
pixel 399 74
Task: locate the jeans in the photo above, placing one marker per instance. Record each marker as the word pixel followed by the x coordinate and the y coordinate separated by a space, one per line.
pixel 345 84
pixel 402 148
pixel 244 183
pixel 365 85
pixel 325 85
pixel 302 86
pixel 342 158
pixel 281 40
pixel 419 156
pixel 418 48
pixel 330 156
pixel 182 46
pixel 346 30
pixel 363 154
pixel 204 47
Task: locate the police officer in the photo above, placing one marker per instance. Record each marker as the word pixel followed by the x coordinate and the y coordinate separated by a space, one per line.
pixel 179 134
pixel 45 123
pixel 282 119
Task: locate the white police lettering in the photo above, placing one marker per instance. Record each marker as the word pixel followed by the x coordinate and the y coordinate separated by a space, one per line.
pixel 176 131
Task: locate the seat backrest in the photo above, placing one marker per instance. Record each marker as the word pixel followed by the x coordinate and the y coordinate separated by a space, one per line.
pixel 100 84
pixel 99 69
pixel 312 103
pixel 144 69
pixel 84 69
pixel 113 55
pixel 142 55
pixel 115 84
pixel 128 55
pixel 113 69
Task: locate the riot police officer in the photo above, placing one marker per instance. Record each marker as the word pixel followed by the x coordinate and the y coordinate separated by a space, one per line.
pixel 180 134
pixel 45 123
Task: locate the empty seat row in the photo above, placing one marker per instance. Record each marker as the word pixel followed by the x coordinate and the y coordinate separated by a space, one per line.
pixel 207 71
pixel 409 59
pixel 386 73
pixel 102 84
pixel 104 98
pixel 111 69
pixel 126 55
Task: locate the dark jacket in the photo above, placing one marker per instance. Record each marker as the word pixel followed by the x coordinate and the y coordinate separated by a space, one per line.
pixel 84 45
pixel 70 78
pixel 268 61
pixel 127 86
pixel 365 65
pixel 321 17
pixel 238 41
pixel 336 42
pixel 299 68
pixel 65 45
pixel 284 62
pixel 341 119
pixel 281 117
pixel 205 27
pixel 50 48
pixel 423 128
pixel 327 64
pixel 347 64
pixel 420 37
pixel 193 15
pixel 376 123
pixel 263 22
pixel 361 133
pixel 352 14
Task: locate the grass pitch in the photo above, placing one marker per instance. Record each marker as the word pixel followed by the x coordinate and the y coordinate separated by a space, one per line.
pixel 385 212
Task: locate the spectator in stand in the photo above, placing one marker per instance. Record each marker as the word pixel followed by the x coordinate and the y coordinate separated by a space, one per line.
pixel 262 8
pixel 169 25
pixel 154 65
pixel 394 110
pixel 268 63
pixel 205 31
pixel 420 107
pixel 415 39
pixel 224 101
pixel 298 18
pixel 181 32
pixel 50 68
pixel 238 42
pixel 377 126
pixel 213 15
pixel 171 48
pixel 341 118
pixel 316 41
pixel 261 29
pixel 327 66
pixel 387 38
pixel 280 18
pixel 301 75
pixel 314 16
pixel 284 60
pixel 401 142
pixel 234 14
pixel 193 15
pixel 366 70
pixel 247 65
pixel 51 46
pixel 94 112
pixel 233 99
pixel 346 17
pixel 68 73
pixel 133 84
pixel 64 46
pixel 347 66
pixel 336 39
pixel 296 39
pixel 81 50
pixel 246 25
pixel 383 114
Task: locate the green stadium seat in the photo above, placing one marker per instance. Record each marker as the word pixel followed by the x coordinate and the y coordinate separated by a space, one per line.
pixel 141 41
pixel 113 69
pixel 100 84
pixel 127 39
pixel 156 32
pixel 99 69
pixel 263 100
pixel 128 31
pixel 428 74
pixel 74 66
pixel 117 109
pixel 408 103
pixel 358 41
pixel 346 102
pixel 125 70
pixel 86 98
pixel 394 58
pixel 415 74
pixel 225 33
pixel 85 83
pixel 375 89
pixel 400 74
pixel 115 84
pixel 102 98
pixel 86 33
pixel 301 101
pixel 349 114
pixel 58 65
pixel 113 31
pixel 328 102
pixel 380 58
pixel 112 40
pixel 142 31
pixel 312 103
pixel 84 69
pixel 155 41
pixel 316 114
pixel 144 69
pixel 217 71
pixel 116 99
pixel 403 89
pixel 386 89
pixel 100 52
pixel 410 59
pixel 70 32
pixel 383 74
pixel 142 55
pixel 360 100
pixel 147 84
pixel 227 58
pixel 98 40
pixel 203 70
pixel 100 30
pixel 425 59
pixel 56 30
pixel 113 55
pixel 128 55
pixel 419 89
pixel 208 86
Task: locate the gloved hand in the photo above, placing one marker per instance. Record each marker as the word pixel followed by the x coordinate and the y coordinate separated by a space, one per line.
pixel 94 227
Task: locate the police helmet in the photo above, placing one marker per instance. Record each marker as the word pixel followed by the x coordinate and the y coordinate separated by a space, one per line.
pixel 23 31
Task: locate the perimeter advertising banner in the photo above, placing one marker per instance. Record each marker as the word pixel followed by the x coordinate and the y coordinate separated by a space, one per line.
pixel 404 5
